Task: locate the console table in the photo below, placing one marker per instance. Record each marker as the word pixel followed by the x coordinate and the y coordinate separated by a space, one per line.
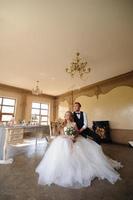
pixel 14 135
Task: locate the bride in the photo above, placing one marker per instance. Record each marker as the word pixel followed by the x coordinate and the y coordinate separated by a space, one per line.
pixel 73 161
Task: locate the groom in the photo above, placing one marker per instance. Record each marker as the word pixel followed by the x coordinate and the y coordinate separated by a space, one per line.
pixel 82 123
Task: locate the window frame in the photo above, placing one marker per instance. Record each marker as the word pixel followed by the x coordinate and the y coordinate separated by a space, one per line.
pixel 6 113
pixel 41 115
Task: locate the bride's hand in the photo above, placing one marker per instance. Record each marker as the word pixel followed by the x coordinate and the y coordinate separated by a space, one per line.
pixel 73 138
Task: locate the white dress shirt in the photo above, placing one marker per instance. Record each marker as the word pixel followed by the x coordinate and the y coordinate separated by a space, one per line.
pixel 85 119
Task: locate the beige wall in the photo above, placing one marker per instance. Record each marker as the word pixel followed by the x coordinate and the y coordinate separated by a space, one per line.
pixel 63 107
pixel 115 106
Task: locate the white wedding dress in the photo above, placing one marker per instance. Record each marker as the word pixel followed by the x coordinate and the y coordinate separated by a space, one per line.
pixel 75 164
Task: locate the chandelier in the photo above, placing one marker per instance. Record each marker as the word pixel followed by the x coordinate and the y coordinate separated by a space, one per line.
pixel 78 66
pixel 36 90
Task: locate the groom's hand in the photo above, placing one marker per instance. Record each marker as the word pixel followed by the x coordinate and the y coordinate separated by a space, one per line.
pixel 80 131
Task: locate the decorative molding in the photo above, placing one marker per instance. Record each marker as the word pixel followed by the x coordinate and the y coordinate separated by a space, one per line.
pixel 95 89
pixel 98 88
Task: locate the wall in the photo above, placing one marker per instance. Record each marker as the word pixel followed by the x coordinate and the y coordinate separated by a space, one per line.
pixel 63 107
pixel 111 100
pixel 114 103
pixel 24 101
pixel 115 106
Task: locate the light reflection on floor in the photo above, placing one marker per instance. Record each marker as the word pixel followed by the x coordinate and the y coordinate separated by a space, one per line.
pixel 28 147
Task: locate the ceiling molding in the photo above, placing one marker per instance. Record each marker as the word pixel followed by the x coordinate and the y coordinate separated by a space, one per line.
pixel 101 87
pixel 98 88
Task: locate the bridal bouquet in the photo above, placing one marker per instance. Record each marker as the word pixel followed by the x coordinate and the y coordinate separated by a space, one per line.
pixel 70 131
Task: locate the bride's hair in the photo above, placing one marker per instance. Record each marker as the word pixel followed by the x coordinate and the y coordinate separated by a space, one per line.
pixel 71 117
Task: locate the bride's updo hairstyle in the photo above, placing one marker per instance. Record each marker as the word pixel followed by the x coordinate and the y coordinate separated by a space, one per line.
pixel 71 117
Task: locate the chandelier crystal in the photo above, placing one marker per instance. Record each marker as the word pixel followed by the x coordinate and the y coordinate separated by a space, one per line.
pixel 36 90
pixel 78 66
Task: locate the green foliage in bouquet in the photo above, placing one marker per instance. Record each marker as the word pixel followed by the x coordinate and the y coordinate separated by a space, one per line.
pixel 70 131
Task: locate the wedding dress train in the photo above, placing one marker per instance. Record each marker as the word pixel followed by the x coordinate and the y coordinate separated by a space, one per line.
pixel 76 164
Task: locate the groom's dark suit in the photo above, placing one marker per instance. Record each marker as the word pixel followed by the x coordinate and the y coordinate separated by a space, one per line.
pixel 80 121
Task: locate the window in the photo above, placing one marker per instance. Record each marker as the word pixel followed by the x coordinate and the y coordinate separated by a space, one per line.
pixel 7 108
pixel 40 113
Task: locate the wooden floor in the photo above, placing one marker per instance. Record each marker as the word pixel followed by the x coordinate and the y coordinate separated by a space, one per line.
pixel 18 181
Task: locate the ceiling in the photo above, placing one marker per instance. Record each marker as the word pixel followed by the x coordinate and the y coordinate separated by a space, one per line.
pixel 39 39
